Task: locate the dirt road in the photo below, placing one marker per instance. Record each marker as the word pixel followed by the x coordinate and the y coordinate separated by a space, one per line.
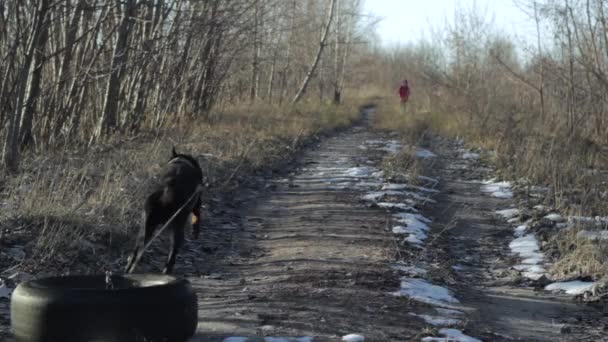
pixel 320 254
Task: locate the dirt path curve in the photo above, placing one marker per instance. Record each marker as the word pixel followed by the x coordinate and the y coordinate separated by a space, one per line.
pixel 478 240
pixel 309 259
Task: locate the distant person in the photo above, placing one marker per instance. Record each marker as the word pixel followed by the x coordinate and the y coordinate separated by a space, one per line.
pixel 404 94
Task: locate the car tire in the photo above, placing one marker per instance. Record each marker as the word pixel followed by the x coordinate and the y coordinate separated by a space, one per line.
pixel 138 307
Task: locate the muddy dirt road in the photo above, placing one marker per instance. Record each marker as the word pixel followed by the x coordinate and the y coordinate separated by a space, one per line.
pixel 335 249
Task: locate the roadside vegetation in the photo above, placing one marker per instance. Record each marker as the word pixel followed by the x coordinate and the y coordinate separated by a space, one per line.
pixel 94 94
pixel 538 109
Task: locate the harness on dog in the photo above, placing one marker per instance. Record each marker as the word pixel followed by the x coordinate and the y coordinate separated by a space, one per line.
pixel 180 159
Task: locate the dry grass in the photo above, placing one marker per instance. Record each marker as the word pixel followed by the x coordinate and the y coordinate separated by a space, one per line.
pixel 579 257
pixel 76 203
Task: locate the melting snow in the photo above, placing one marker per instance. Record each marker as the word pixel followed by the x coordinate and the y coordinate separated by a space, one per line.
pixel 425 292
pixel 508 214
pixel 575 287
pixel 521 230
pixel 554 217
pixel 353 338
pixel 438 320
pixel 423 153
pixel 451 335
pixel 527 248
pixel 415 226
pixel 410 270
pixel 470 155
pixel 497 189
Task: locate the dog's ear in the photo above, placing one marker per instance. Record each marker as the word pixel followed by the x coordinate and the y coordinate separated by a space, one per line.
pixel 173 153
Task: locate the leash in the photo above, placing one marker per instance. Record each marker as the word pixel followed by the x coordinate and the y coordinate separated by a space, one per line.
pixel 199 189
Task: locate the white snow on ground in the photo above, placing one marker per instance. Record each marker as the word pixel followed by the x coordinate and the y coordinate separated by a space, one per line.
pixel 270 339
pixel 521 230
pixel 451 335
pixel 575 287
pixel 423 153
pixel 589 235
pixel 410 270
pixel 497 189
pixel 400 206
pixel 399 186
pixel 392 146
pixel 425 292
pixel 508 214
pixel 374 196
pixel 554 217
pixel 527 249
pixel 470 155
pixel 438 320
pixel 353 338
pixel 361 171
pixel 415 226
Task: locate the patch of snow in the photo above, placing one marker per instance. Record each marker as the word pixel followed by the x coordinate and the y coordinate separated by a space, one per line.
pixel 554 217
pixel 527 249
pixel 424 153
pixel 361 171
pixel 589 235
pixel 400 206
pixel 394 186
pixel 353 338
pixel 374 196
pixel 521 230
pixel 236 339
pixel 378 174
pixel 451 335
pixel 425 292
pixel 575 287
pixel 415 226
pixel 497 189
pixel 392 147
pixel 513 220
pixel 470 155
pixel 508 213
pixel 438 321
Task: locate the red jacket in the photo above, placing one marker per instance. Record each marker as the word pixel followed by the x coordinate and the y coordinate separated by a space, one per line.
pixel 404 93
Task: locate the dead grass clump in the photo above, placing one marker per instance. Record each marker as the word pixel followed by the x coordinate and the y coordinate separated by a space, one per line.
pixel 578 257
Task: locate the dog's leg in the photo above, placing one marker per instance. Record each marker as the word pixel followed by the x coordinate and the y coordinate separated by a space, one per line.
pixel 144 236
pixel 177 242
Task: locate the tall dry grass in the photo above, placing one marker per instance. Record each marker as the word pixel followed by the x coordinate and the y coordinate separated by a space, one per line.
pixel 71 206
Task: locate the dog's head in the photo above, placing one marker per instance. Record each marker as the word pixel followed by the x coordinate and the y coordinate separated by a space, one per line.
pixel 186 159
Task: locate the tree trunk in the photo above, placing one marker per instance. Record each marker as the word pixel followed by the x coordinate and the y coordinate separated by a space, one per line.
pixel 107 122
pixel 315 63
pixel 11 146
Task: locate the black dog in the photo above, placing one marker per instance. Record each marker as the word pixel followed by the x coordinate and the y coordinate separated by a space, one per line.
pixel 178 187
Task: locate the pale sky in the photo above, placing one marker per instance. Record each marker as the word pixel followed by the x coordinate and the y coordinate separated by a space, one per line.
pixel 405 21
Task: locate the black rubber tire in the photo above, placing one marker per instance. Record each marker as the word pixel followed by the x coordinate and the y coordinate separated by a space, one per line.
pixel 79 308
